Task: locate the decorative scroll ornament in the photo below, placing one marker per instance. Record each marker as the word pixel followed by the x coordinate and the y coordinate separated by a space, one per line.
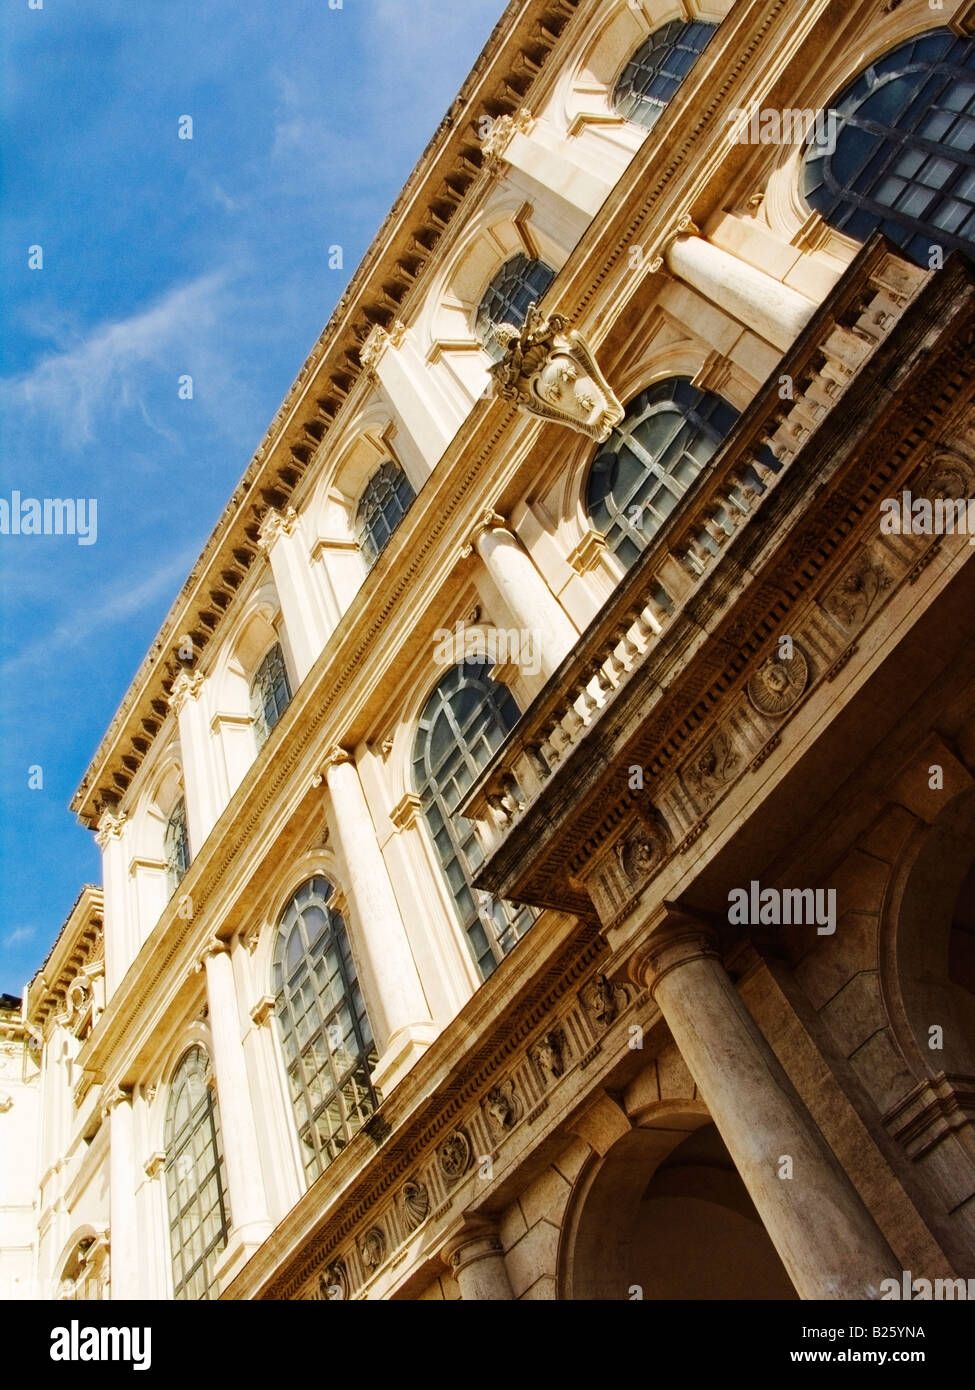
pixel 553 374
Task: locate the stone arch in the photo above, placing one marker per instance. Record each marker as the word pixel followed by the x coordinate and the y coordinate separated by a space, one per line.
pixel 928 943
pixel 663 1214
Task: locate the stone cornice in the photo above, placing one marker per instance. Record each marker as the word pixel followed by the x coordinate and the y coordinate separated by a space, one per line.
pixel 78 945
pixel 497 85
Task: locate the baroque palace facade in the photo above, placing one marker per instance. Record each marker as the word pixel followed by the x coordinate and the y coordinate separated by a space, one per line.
pixel 539 847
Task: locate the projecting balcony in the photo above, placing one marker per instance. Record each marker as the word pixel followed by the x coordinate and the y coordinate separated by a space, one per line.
pixel 664 614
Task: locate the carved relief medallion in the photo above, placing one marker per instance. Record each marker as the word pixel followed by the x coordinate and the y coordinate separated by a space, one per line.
pixel 372 1248
pixel 549 1054
pixel 454 1156
pixel 503 1107
pixel 777 684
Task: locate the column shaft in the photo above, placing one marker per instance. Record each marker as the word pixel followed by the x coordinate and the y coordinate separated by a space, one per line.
pixel 772 310
pixel 825 1236
pixel 125 1273
pixel 531 602
pixel 248 1202
pixel 403 1025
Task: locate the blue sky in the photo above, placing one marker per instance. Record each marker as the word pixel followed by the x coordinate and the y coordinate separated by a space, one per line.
pixel 162 257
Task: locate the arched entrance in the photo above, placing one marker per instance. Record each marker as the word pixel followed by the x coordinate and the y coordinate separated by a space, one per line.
pixel 665 1215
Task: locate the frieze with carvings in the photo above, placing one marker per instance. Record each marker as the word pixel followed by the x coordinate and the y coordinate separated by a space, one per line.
pixel 852 599
pixel 372 1248
pixel 416 1203
pixel 503 1107
pixel 549 1055
pixel 778 683
pixel 602 1000
pixel 455 1156
pixel 614 878
pixel 712 767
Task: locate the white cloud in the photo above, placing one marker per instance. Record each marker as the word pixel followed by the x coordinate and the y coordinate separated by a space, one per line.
pixel 90 620
pixel 19 934
pixel 104 373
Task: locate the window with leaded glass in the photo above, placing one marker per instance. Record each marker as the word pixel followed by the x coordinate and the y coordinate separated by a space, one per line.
pixel 196 1185
pixel 386 500
pixel 667 436
pixel 176 846
pixel 904 156
pixel 657 69
pixel 270 694
pixel 328 1047
pixel 519 283
pixel 462 725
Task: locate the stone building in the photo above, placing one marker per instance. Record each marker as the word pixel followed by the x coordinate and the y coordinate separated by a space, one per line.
pixel 539 846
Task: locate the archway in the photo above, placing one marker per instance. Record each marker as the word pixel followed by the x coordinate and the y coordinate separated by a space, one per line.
pixel 665 1215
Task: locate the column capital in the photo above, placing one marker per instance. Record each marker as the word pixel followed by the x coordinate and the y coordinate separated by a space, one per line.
pixel 188 685
pixel 213 948
pixel 276 524
pixel 119 1095
pixel 336 756
pixel 378 340
pixel 477 1239
pixel 489 520
pixel 261 1012
pixel 503 131
pixel 682 936
pixel 110 827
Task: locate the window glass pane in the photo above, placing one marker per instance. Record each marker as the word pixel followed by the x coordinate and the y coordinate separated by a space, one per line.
pixel 464 721
pixel 904 154
pixel 199 1216
pixel 270 694
pixel 383 504
pixel 657 68
pixel 321 1006
pixel 519 283
pixel 176 846
pixel 668 435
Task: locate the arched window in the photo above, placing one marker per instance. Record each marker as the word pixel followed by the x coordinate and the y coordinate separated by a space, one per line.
pixel 519 283
pixel 176 846
pixel 657 69
pixel 668 434
pixel 328 1048
pixel 463 723
pixel 381 508
pixel 270 694
pixel 199 1214
pixel 904 157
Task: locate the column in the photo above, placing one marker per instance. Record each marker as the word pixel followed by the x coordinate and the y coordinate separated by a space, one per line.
pixel 248 1201
pixel 408 384
pixel 203 805
pixel 121 942
pixel 772 310
pixel 124 1230
pixel 825 1236
pixel 476 1257
pixel 301 603
pixel 403 1026
pixel 532 605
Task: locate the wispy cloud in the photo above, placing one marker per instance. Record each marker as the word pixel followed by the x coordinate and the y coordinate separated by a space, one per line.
pixel 104 373
pixel 15 937
pixel 90 620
